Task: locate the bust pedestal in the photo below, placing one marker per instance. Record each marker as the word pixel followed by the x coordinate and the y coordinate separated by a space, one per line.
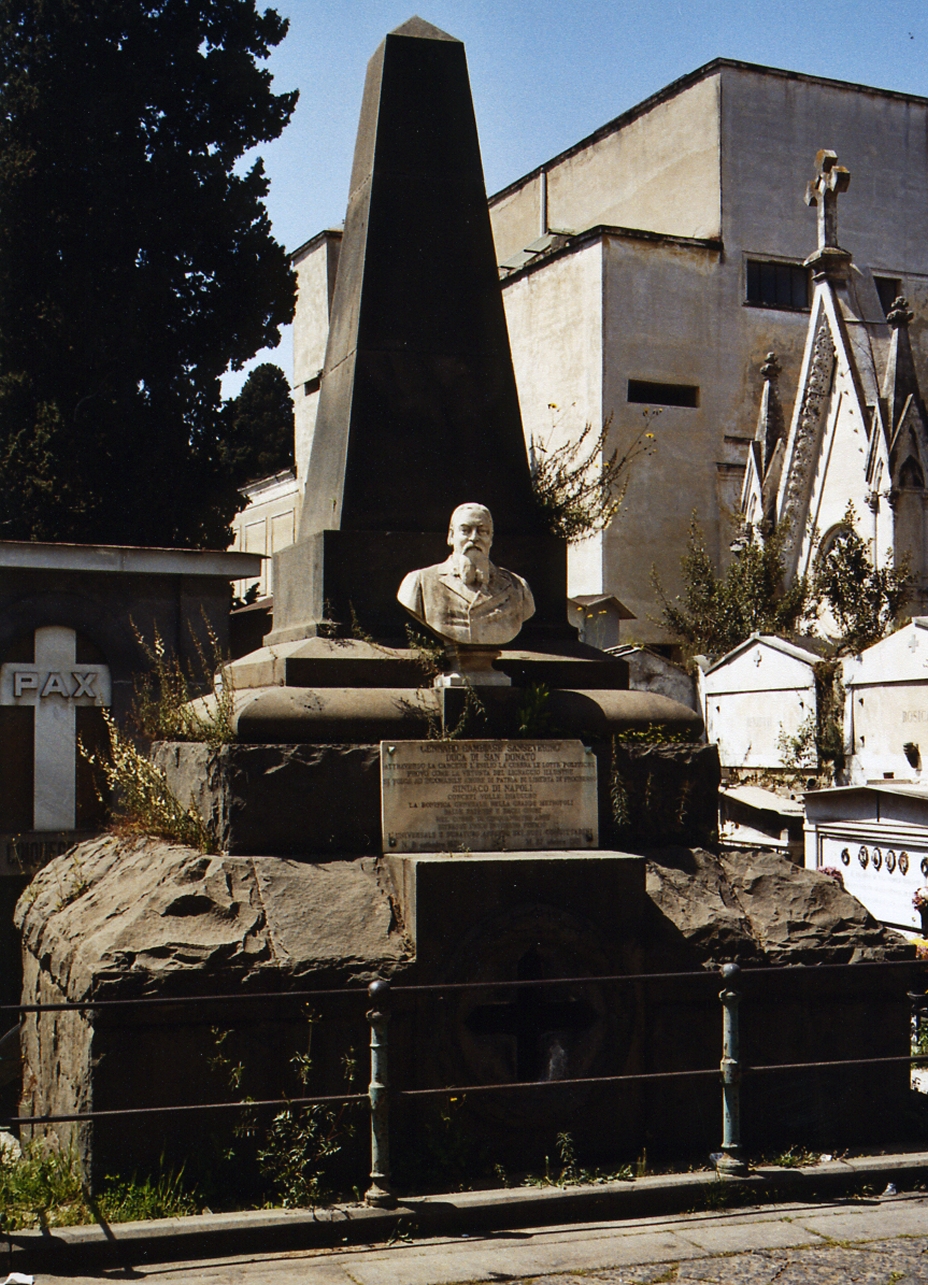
pixel 468 666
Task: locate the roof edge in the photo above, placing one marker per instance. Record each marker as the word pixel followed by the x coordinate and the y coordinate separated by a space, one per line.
pixel 677 87
pixel 602 231
pixel 334 233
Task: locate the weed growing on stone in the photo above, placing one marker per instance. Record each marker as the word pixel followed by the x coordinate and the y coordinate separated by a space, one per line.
pixel 534 715
pixel 163 708
pixel 142 800
pixel 571 1173
pixel 39 1187
pixel 580 486
pixel 796 1158
pixel 293 1153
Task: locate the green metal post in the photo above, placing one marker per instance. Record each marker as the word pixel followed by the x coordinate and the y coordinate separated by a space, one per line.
pixel 379 1193
pixel 731 1162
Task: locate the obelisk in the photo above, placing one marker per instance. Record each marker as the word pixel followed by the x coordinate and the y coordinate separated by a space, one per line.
pixel 418 409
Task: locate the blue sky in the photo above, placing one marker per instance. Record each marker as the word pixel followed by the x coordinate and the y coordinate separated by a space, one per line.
pixel 545 73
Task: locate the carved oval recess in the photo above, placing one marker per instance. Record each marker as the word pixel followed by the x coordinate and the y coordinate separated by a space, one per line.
pixel 903 863
pixel 863 856
pixel 845 856
pixel 876 857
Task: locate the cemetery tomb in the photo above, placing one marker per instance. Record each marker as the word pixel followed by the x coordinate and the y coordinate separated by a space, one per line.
pixel 886 707
pixel 876 835
pixel 759 695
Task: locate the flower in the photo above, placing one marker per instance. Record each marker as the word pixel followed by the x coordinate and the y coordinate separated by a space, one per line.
pixel 920 899
pixel 834 873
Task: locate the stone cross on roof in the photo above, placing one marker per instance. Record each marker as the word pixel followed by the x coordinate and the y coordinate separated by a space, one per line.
pixel 823 192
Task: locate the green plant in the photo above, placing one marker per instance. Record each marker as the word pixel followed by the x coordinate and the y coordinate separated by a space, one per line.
pixel 130 1200
pixel 655 734
pixel 533 717
pixel 143 802
pixel 579 487
pixel 40 1188
pixel 717 612
pixel 796 1157
pixel 43 1187
pixel 428 653
pixel 816 750
pixel 302 1139
pixel 571 1174
pixel 163 707
pixel 863 600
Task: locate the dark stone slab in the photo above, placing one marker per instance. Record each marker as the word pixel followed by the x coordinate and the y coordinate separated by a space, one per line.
pixel 280 800
pixel 660 794
pixel 349 579
pixel 280 715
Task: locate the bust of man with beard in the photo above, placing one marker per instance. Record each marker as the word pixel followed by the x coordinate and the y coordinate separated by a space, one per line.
pixel 466 599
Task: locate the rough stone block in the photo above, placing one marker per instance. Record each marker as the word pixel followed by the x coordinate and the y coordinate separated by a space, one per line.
pixel 655 795
pixel 280 800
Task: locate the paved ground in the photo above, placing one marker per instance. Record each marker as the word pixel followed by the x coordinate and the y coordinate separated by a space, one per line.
pixel 866 1242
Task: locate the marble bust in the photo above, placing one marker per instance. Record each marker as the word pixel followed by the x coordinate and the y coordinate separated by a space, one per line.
pixel 466 599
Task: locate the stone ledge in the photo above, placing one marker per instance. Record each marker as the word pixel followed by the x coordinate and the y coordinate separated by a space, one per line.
pixel 281 1230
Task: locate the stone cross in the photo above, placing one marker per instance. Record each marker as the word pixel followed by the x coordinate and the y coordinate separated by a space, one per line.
pixel 823 192
pixel 54 684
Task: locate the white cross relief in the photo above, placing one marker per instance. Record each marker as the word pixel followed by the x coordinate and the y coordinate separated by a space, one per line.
pixel 823 192
pixel 55 684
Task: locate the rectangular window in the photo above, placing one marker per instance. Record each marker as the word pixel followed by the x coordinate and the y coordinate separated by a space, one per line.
pixel 652 394
pixel 777 285
pixel 889 289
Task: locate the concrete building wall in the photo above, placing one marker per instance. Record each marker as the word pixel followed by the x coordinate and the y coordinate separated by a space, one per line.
pixel 773 123
pixel 656 169
pixel 316 264
pixel 680 344
pixel 268 524
pixel 555 330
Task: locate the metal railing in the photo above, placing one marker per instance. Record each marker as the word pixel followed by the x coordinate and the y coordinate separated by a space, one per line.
pixel 729 1161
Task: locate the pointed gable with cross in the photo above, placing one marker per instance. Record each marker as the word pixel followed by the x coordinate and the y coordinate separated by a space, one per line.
pixel 858 428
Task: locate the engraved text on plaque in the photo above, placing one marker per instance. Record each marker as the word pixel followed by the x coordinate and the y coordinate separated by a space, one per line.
pixel 487 796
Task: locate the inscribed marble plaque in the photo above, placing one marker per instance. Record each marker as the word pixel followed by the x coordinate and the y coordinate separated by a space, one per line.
pixel 487 796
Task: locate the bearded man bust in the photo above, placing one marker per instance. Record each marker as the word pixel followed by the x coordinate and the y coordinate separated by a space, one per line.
pixel 467 599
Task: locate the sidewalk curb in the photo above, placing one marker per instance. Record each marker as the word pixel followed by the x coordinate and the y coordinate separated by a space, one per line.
pixel 279 1230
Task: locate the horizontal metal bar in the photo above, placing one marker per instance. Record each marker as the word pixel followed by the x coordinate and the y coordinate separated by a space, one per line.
pixel 166 1002
pixel 853 1061
pixel 461 1089
pixel 795 970
pixel 78 1116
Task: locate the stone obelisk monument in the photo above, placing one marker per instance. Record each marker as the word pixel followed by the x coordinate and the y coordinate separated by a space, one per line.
pixel 418 410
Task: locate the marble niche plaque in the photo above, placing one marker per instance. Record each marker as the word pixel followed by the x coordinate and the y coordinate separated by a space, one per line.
pixel 487 796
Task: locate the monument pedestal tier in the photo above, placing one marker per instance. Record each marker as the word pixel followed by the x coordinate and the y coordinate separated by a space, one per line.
pixel 339 582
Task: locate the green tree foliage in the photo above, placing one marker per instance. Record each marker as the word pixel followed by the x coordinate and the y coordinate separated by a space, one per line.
pixel 258 437
pixel 863 599
pixel 136 260
pixel 717 612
